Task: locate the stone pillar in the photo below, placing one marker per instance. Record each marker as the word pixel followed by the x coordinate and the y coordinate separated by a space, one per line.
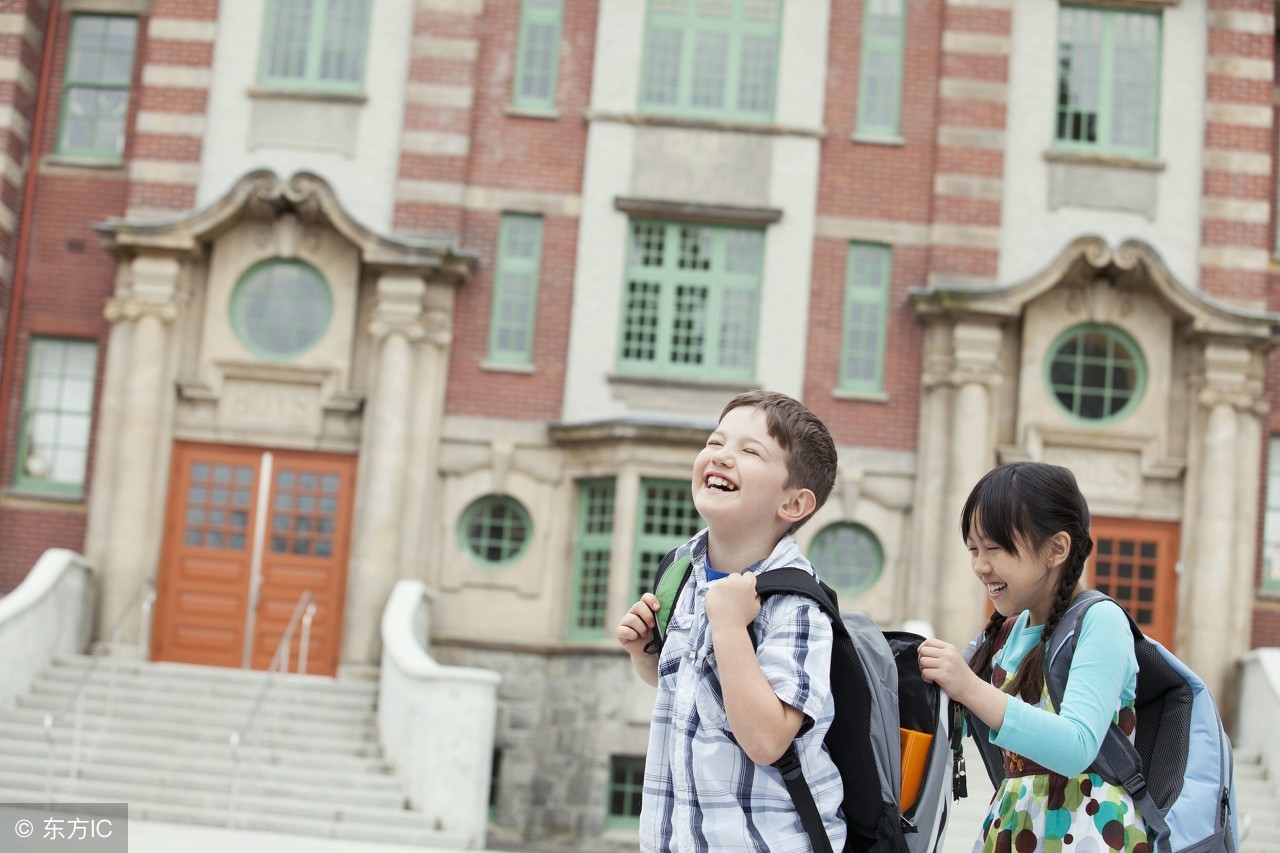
pixel 975 371
pixel 375 546
pixel 107 433
pixel 130 543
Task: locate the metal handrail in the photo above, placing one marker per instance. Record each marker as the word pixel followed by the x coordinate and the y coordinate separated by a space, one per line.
pixel 305 610
pixel 144 596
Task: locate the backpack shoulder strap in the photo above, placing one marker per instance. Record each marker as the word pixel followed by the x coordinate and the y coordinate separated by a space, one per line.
pixel 796 581
pixel 1118 760
pixel 668 582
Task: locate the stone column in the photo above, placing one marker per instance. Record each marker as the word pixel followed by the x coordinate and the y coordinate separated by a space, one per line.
pixel 375 546
pixel 129 545
pixel 975 371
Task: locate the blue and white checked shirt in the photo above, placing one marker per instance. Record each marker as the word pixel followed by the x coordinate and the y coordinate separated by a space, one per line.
pixel 701 791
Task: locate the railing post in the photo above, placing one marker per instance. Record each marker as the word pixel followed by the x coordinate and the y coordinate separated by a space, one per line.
pixel 144 627
pixel 305 644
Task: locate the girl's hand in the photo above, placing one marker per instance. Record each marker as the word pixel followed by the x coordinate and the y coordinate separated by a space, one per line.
pixel 732 601
pixel 942 664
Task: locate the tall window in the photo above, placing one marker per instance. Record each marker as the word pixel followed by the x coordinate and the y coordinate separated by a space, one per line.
pixel 626 784
pixel 515 289
pixel 315 45
pixel 667 517
pixel 691 303
pixel 1108 80
pixel 53 443
pixel 880 81
pixel 95 87
pixel 593 551
pixel 711 58
pixel 866 309
pixel 1271 523
pixel 537 55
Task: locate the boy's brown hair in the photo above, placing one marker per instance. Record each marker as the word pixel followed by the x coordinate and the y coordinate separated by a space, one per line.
pixel 811 453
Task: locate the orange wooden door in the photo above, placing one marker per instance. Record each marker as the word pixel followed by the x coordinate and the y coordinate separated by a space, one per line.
pixel 249 531
pixel 1135 562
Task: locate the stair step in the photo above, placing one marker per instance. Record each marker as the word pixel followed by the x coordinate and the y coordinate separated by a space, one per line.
pixel 267 821
pixel 30 738
pixel 374 788
pixel 360 727
pixel 135 689
pixel 204 679
pixel 30 723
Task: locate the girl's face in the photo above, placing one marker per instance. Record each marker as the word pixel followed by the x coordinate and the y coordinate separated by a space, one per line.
pixel 1016 582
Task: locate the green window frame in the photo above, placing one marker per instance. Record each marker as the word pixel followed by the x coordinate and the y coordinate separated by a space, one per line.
pixel 711 59
pixel 666 518
pixel 880 77
pixel 592 557
pixel 626 787
pixel 1108 81
pixel 57 413
pixel 692 300
pixel 515 289
pixel 849 558
pixel 868 274
pixel 281 309
pixel 537 56
pixel 495 530
pixel 1270 585
pixel 1095 373
pixel 315 45
pixel 95 86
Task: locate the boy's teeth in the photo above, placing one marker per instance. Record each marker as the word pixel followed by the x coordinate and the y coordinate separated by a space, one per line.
pixel 719 482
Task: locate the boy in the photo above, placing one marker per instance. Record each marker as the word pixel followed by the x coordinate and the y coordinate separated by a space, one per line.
pixel 725 712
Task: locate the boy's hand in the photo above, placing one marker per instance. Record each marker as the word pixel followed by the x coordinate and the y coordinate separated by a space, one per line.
pixel 732 601
pixel 636 628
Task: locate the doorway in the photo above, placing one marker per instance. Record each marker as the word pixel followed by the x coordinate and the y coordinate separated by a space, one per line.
pixel 1135 562
pixel 247 532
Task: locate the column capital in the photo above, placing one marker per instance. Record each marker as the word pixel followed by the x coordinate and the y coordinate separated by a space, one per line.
pixel 1243 400
pixel 132 308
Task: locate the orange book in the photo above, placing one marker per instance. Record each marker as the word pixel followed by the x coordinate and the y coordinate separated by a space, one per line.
pixel 915 755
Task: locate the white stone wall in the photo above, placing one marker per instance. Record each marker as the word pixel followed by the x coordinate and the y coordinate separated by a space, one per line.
pixel 353 146
pixel 1031 233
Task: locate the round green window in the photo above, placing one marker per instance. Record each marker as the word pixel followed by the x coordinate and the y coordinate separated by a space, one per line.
pixel 495 530
pixel 1096 373
pixel 848 557
pixel 281 308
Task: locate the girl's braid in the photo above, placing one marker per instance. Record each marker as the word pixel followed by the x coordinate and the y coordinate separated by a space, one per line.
pixel 986 649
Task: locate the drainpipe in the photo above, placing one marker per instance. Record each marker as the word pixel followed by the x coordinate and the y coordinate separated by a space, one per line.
pixel 24 224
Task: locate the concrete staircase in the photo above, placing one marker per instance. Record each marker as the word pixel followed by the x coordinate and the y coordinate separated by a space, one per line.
pixel 165 751
pixel 1258 803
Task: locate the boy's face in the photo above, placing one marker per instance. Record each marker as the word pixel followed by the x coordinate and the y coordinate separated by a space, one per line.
pixel 740 476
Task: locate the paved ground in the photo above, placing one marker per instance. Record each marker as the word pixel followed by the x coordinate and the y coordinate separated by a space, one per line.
pixel 148 837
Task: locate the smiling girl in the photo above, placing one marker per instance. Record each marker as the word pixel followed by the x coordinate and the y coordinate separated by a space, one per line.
pixel 1026 526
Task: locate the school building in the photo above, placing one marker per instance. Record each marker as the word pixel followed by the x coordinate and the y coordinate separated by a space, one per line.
pixel 321 295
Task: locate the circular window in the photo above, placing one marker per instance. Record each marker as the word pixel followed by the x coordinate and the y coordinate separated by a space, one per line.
pixel 1096 373
pixel 281 308
pixel 848 557
pixel 495 529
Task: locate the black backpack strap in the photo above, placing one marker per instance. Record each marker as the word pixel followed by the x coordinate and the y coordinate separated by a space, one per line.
pixel 1118 761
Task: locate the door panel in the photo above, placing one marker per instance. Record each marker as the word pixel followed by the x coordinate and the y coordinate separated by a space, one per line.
pixel 202 597
pixel 206 607
pixel 1135 562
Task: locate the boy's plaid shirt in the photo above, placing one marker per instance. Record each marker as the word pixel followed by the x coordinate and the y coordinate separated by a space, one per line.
pixel 701 791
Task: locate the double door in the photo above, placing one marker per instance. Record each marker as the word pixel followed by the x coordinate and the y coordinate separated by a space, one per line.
pixel 1135 562
pixel 247 532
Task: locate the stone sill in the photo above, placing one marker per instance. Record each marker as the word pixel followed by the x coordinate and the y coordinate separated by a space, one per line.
pixel 306 95
pixel 499 367
pixel 886 141
pixel 648 120
pixel 529 112
pixel 1113 160
pixel 16 497
pixel 860 396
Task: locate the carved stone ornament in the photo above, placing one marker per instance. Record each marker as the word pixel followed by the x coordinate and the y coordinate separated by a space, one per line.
pixel 118 309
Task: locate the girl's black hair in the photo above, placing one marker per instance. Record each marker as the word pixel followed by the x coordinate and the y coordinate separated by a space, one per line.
pixel 1028 503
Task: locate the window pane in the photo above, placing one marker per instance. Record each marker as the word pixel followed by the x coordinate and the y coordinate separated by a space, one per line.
pixel 56 424
pixel 95 96
pixel 280 309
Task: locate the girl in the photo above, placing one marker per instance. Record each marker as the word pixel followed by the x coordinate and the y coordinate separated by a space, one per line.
pixel 1027 529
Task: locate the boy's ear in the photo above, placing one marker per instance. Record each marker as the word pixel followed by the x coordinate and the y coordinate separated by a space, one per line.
pixel 799 505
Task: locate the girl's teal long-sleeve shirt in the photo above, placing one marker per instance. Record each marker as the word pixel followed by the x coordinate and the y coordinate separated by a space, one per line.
pixel 1103 676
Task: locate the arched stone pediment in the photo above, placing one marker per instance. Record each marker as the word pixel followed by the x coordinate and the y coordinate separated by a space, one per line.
pixel 263 196
pixel 1131 265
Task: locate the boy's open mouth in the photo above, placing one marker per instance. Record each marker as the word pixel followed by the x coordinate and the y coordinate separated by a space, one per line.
pixel 720 483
